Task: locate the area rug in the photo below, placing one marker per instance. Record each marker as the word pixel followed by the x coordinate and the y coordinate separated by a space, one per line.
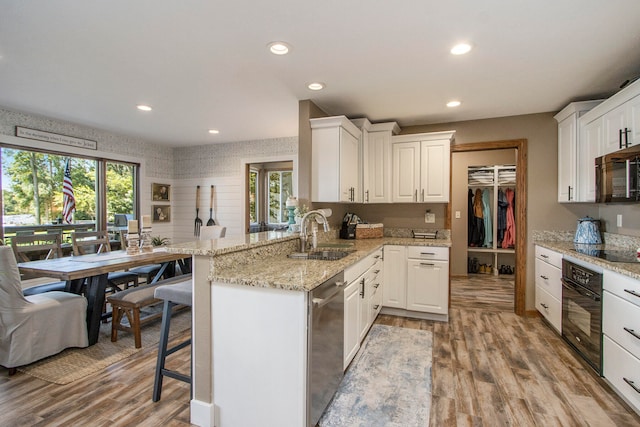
pixel 388 383
pixel 75 363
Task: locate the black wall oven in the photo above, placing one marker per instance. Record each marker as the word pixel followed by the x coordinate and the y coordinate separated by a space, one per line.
pixel 582 310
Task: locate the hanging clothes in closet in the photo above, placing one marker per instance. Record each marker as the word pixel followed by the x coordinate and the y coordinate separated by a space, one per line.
pixel 502 217
pixel 488 223
pixel 470 219
pixel 509 240
pixel 477 231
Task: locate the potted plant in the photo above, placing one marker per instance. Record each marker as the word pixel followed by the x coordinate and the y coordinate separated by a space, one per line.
pixel 159 241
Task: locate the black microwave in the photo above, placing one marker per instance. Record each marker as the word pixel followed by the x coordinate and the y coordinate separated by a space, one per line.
pixel 618 175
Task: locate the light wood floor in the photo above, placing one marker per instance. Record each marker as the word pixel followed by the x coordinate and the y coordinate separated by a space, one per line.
pixel 490 368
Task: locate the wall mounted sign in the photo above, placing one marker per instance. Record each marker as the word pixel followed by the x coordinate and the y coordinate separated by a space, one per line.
pixel 40 135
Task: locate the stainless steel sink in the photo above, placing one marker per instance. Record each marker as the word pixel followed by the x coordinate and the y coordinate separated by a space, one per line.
pixel 324 255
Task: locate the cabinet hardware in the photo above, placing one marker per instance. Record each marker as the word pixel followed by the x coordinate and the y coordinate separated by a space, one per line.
pixel 367 194
pixel 626 137
pixel 569 198
pixel 545 306
pixel 632 332
pixel 427 253
pixel 377 271
pixel 375 285
pixel 544 277
pixel 632 292
pixel 375 307
pixel 423 194
pixel 426 263
pixel 544 256
pixel 631 384
pixel 416 196
pixel 619 138
pixel 362 287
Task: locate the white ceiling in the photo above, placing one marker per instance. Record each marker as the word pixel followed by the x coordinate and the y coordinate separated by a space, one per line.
pixel 204 64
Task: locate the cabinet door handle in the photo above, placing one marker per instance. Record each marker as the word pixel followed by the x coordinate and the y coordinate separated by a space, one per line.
pixel 569 197
pixel 544 277
pixel 619 138
pixel 632 292
pixel 631 384
pixel 362 287
pixel 545 306
pixel 416 196
pixel 423 194
pixel 367 194
pixel 632 332
pixel 626 137
pixel 375 285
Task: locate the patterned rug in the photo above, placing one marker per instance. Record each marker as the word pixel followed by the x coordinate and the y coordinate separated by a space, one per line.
pixel 388 383
pixel 75 363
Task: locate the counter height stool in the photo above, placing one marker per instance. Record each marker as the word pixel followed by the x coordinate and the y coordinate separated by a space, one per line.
pixel 178 294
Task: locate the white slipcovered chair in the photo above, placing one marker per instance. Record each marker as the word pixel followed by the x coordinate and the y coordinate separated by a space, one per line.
pixel 36 326
pixel 210 232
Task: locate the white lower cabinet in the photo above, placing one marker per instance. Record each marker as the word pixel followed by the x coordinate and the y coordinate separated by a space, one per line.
pixel 621 335
pixel 362 301
pixel 549 286
pixel 416 279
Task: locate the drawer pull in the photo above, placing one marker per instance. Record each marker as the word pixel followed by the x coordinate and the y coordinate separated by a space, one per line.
pixel 427 253
pixel 377 256
pixel 632 292
pixel 544 277
pixel 631 384
pixel 426 263
pixel 545 306
pixel 632 332
pixel 375 307
pixel 544 256
pixel 376 271
pixel 375 285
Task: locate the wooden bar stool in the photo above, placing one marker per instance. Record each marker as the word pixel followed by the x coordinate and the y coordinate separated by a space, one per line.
pixel 177 294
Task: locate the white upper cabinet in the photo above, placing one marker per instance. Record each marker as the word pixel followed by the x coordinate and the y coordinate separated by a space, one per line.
pixel 420 167
pixel 620 119
pixel 571 171
pixel 335 160
pixel 376 159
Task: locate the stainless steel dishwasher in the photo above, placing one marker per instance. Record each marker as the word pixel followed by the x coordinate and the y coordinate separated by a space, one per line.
pixel 325 345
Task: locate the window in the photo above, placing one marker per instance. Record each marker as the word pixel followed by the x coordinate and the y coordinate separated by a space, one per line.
pixel 254 176
pixel 279 185
pixel 32 191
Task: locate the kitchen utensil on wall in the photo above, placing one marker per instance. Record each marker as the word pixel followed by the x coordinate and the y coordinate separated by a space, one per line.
pixel 211 221
pixel 198 222
pixel 588 231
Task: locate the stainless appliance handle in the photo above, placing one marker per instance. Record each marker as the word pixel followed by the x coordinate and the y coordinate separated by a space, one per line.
pixel 319 302
pixel 580 290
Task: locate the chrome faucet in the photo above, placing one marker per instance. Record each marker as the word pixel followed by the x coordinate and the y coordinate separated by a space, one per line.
pixel 303 227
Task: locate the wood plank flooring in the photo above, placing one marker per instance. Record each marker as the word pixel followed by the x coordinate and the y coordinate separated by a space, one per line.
pixel 490 368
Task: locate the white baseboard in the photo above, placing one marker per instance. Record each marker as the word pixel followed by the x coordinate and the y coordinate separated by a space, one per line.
pixel 202 413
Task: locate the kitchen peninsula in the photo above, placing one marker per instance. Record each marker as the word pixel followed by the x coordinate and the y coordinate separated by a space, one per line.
pixel 250 307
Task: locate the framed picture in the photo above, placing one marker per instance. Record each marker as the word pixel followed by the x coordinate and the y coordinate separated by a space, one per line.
pixel 161 213
pixel 160 192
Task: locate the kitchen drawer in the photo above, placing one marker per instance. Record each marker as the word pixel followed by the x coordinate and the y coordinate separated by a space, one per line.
pixel 623 286
pixel 428 252
pixel 621 368
pixel 357 269
pixel 550 307
pixel 549 256
pixel 618 314
pixel 549 278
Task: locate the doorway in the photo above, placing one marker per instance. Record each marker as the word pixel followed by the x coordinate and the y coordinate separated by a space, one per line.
pixel 519 147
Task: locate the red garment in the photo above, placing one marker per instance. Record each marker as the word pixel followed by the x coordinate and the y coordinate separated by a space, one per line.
pixel 509 240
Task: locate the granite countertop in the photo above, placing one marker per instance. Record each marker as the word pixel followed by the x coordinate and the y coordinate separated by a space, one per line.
pixel 568 248
pixel 279 271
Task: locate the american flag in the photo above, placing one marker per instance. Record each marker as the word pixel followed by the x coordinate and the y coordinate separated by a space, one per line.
pixel 68 201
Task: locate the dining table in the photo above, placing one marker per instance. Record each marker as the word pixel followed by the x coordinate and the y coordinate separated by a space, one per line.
pixel 91 271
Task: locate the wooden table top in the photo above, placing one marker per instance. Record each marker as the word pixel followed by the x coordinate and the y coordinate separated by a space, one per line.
pixel 78 267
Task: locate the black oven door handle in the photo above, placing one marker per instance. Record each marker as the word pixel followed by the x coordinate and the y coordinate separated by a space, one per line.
pixel 580 290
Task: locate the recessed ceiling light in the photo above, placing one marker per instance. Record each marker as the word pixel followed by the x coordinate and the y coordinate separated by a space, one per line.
pixel 461 49
pixel 451 104
pixel 279 48
pixel 214 131
pixel 143 107
pixel 316 86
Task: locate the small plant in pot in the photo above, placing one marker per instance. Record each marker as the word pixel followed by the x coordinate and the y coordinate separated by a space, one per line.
pixel 159 241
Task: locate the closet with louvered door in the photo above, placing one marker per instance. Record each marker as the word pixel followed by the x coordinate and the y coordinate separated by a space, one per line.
pixel 491 234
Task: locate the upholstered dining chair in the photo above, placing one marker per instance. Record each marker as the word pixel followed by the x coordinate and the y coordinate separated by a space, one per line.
pixel 33 247
pixel 36 326
pixel 210 232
